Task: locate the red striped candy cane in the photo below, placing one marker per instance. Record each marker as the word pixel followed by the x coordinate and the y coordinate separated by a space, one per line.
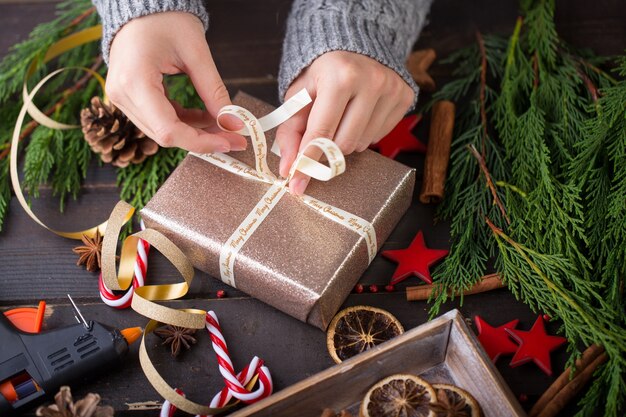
pixel 223 397
pixel 141 267
pixel 168 409
pixel 235 388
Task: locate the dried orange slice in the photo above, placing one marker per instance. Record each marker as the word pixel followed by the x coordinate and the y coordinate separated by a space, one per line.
pixel 452 401
pixel 356 329
pixel 399 396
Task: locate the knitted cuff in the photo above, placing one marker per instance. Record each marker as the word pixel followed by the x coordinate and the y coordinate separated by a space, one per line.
pixel 312 34
pixel 116 13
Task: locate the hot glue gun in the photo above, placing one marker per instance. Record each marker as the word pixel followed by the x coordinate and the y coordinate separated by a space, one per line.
pixel 34 365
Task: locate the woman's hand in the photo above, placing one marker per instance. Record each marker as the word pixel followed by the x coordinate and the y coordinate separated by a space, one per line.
pixel 357 101
pixel 170 43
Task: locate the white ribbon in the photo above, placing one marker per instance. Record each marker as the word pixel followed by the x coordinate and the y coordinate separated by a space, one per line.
pixel 256 128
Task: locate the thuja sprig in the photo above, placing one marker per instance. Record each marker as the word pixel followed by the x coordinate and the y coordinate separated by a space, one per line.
pixel 540 141
pixel 71 15
pixel 600 168
pixel 467 200
pixel 57 100
pixel 543 282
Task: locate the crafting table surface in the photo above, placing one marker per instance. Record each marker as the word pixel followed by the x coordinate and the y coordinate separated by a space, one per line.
pixel 245 41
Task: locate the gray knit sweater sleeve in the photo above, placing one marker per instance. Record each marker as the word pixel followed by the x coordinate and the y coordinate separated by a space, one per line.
pixel 116 13
pixel 384 30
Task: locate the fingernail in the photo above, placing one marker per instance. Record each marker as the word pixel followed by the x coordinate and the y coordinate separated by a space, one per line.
pixel 230 122
pixel 223 148
pixel 239 147
pixel 281 168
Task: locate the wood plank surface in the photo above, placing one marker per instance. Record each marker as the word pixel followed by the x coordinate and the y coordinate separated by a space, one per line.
pixel 245 37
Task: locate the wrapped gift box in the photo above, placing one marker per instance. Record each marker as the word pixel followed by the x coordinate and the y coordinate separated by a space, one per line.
pixel 298 261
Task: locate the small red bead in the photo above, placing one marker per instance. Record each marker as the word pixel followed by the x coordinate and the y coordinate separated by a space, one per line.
pixel 547 317
pixel 221 294
pixel 390 288
pixel 358 288
pixel 373 288
pixel 523 398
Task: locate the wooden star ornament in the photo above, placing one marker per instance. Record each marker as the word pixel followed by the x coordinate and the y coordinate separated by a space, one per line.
pixel 401 139
pixel 495 340
pixel 414 260
pixel 535 345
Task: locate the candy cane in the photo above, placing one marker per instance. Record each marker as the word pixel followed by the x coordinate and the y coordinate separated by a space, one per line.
pixel 168 409
pixel 244 377
pixel 139 280
pixel 222 398
pixel 235 388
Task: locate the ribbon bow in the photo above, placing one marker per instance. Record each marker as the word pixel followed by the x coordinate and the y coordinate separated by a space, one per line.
pixel 256 128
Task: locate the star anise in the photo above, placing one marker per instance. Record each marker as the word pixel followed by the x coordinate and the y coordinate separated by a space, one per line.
pixel 65 406
pixel 90 252
pixel 176 337
pixel 449 404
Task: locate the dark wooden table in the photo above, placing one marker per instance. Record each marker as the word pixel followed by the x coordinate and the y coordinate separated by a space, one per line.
pixel 245 37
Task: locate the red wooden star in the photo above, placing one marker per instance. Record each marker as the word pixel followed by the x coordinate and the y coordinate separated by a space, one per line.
pixel 414 260
pixel 400 139
pixel 495 340
pixel 535 345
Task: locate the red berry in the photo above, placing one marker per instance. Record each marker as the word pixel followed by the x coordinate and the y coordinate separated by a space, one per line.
pixel 358 288
pixel 221 294
pixel 390 288
pixel 373 288
pixel 547 317
pixel 523 398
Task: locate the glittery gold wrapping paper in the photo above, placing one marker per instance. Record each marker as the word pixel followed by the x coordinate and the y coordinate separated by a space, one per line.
pixel 297 261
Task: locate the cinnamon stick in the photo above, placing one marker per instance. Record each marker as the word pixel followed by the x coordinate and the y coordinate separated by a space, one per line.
pixel 552 397
pixel 487 283
pixel 418 64
pixel 438 152
pixel 570 390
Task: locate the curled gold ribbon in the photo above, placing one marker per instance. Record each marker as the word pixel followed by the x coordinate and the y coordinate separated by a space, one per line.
pixel 144 297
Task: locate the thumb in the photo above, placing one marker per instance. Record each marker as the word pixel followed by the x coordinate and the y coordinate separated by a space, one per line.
pixel 210 87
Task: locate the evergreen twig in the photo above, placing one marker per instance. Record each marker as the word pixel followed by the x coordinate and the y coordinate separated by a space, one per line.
pixel 555 163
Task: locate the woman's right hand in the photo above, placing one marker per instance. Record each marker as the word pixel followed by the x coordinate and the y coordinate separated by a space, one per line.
pixel 143 51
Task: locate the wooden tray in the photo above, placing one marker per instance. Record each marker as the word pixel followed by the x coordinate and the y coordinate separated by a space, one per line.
pixel 442 350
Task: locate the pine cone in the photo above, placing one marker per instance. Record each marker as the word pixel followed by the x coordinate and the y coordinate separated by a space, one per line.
pixel 111 134
pixel 65 406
